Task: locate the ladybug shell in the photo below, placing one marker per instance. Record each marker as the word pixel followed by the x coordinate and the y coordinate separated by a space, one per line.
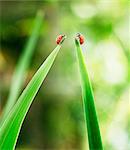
pixel 81 39
pixel 58 39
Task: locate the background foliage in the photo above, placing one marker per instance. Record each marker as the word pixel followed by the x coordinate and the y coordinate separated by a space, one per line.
pixel 52 122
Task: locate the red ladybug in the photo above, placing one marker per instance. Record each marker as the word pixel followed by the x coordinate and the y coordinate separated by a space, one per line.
pixel 81 38
pixel 59 39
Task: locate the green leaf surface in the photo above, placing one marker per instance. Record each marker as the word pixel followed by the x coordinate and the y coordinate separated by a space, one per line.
pixel 94 136
pixel 10 129
pixel 22 66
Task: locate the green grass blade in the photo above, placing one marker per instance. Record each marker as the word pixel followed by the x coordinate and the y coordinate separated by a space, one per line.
pixel 23 63
pixel 94 137
pixel 11 126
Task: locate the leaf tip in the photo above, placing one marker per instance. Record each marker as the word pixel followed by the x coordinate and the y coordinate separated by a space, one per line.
pixel 77 41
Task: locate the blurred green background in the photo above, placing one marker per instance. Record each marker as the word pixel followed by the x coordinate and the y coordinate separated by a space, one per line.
pixel 56 120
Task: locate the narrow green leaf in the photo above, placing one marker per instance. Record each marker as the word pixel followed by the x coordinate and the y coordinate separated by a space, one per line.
pixel 11 126
pixel 23 63
pixel 94 137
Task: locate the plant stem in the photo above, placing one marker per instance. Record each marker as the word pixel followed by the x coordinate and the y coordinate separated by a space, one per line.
pixel 22 66
pixel 11 127
pixel 94 137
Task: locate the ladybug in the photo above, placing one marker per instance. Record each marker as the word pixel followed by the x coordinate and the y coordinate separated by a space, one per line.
pixel 59 39
pixel 81 38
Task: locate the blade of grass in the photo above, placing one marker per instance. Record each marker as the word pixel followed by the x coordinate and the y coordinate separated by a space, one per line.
pixel 11 126
pixel 124 48
pixel 23 63
pixel 94 136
